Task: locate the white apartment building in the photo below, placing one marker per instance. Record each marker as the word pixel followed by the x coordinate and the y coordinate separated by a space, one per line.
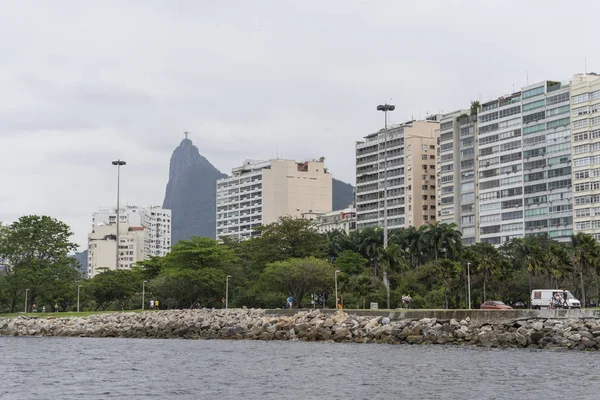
pixel 143 232
pixel 523 173
pixel 260 192
pixel 102 252
pixel 585 113
pixel 458 173
pixel 411 175
pixel 339 220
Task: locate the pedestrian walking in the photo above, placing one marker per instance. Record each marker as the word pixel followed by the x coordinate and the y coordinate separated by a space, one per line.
pixel 55 307
pixel 152 304
pixel 34 308
pixel 156 304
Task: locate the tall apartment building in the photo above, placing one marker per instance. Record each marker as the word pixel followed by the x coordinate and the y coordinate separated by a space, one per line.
pixel 458 173
pixel 101 247
pixel 522 169
pixel 585 112
pixel 259 192
pixel 143 232
pixel 547 183
pixel 411 175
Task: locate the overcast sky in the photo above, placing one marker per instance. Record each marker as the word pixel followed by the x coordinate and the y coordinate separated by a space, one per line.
pixel 86 82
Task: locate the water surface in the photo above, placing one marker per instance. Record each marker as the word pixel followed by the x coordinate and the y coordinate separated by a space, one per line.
pixel 107 368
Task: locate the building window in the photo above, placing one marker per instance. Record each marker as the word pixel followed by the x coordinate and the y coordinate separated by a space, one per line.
pixel 424 157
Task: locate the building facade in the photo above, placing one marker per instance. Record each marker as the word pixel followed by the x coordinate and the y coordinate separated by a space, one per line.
pixel 411 152
pixel 458 173
pixel 536 168
pixel 143 232
pixel 339 220
pixel 585 112
pixel 260 192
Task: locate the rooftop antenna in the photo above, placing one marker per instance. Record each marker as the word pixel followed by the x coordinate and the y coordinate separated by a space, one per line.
pixel 186 133
pixel 528 77
pixel 585 61
pixel 513 88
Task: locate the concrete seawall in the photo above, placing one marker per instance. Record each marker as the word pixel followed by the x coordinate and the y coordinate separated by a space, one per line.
pixel 567 329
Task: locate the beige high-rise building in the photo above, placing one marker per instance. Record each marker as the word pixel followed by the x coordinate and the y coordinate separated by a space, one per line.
pixel 585 125
pixel 259 192
pixel 411 175
pixel 101 247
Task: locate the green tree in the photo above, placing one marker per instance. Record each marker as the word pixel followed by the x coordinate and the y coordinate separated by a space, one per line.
pixel 35 251
pixel 336 244
pixel 441 237
pixel 475 105
pixel 298 276
pixel 488 262
pixel 363 285
pixel 287 238
pixel 351 263
pixel 586 256
pixel 110 287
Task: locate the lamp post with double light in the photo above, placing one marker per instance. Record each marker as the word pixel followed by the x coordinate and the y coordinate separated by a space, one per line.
pixel 336 287
pixel 469 283
pixel 26 290
pixel 227 291
pixel 385 108
pixel 78 287
pixel 143 294
pixel 118 164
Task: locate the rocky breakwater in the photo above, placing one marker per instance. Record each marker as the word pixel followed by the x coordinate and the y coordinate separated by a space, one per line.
pixel 567 333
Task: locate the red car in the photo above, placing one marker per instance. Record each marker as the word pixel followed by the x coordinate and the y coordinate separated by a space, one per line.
pixel 495 305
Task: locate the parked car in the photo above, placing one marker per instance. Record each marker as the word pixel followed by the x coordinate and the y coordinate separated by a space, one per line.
pixel 495 305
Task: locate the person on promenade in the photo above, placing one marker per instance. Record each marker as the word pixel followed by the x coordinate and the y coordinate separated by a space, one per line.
pixel 152 304
pixel 55 307
pixel 43 308
pixel 34 308
pixel 156 304
pixel 339 303
pixel 122 307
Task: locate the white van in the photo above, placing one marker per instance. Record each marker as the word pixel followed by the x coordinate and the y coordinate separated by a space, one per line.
pixel 541 298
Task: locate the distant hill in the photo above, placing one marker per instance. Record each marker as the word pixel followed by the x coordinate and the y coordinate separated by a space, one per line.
pixel 82 259
pixel 191 193
pixel 343 195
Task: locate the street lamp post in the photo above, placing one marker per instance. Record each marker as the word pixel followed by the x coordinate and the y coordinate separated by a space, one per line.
pixel 26 290
pixel 143 294
pixel 78 287
pixel 336 296
pixel 469 283
pixel 385 108
pixel 227 291
pixel 118 163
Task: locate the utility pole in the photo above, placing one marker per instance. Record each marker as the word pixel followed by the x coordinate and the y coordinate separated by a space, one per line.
pixel 118 163
pixel 385 108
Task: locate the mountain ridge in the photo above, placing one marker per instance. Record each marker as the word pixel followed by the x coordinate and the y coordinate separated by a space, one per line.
pixel 191 193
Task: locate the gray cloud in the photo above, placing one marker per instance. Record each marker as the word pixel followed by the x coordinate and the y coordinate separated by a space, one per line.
pixel 87 82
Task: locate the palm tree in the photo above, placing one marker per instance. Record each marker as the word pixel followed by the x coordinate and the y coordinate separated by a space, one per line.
pixel 488 261
pixel 525 254
pixel 411 243
pixel 370 246
pixel 336 244
pixel 586 255
pixel 443 237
